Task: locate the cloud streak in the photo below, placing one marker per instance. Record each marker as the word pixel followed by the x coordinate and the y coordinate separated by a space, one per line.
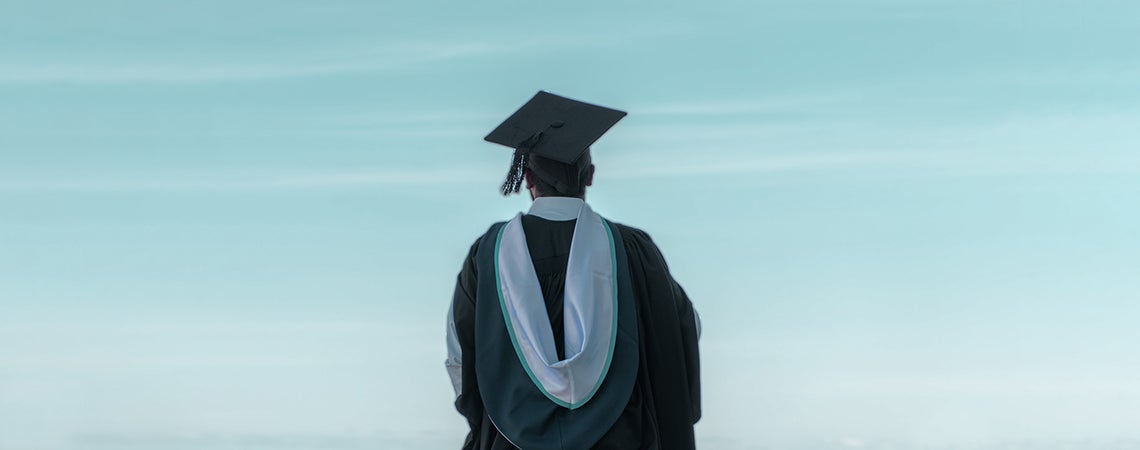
pixel 378 57
pixel 330 441
pixel 772 164
pixel 939 164
pixel 215 182
pixel 384 57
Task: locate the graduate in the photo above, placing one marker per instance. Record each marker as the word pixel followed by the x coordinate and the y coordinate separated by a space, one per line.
pixel 566 330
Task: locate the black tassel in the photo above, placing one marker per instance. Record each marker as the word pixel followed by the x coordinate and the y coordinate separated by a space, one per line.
pixel 516 174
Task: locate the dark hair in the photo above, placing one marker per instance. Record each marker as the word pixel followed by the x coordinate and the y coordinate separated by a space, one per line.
pixel 573 175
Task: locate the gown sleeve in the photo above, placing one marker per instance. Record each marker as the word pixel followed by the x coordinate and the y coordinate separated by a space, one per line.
pixel 672 327
pixel 690 336
pixel 461 348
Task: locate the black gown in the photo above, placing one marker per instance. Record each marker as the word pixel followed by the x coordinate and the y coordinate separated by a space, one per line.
pixel 665 402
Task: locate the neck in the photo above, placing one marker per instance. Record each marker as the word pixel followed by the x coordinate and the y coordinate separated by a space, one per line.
pixel 535 195
pixel 579 197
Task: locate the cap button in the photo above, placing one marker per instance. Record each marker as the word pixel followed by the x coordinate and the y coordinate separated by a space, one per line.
pixel 557 124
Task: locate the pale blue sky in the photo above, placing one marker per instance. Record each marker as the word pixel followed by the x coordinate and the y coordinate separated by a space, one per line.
pixel 236 225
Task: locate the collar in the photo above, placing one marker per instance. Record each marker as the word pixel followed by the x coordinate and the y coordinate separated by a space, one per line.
pixel 556 208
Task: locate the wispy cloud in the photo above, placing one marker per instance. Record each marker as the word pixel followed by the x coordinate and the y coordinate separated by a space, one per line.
pixel 231 182
pixel 933 164
pixel 774 163
pixel 991 386
pixel 267 182
pixel 376 58
pixel 1012 147
pixel 274 63
pixel 330 441
pixel 814 101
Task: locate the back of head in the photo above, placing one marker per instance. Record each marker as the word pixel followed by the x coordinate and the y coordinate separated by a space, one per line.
pixel 553 178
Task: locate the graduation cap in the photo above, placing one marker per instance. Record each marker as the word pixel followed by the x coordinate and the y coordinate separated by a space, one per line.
pixel 552 127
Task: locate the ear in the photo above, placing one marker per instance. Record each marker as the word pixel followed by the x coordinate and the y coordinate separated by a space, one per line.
pixel 529 177
pixel 589 176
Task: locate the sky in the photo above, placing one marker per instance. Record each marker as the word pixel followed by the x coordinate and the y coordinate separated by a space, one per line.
pixel 237 224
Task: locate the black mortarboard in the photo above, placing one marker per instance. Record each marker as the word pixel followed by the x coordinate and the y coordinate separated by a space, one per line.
pixel 553 127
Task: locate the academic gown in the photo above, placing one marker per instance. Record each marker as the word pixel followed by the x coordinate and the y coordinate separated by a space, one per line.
pixel 665 401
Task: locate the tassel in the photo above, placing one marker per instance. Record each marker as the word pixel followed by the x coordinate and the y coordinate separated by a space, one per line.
pixel 516 174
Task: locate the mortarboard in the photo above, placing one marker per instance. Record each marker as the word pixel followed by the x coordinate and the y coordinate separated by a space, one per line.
pixel 553 127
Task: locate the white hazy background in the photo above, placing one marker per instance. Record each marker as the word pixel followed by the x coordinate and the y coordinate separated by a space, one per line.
pixel 236 224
